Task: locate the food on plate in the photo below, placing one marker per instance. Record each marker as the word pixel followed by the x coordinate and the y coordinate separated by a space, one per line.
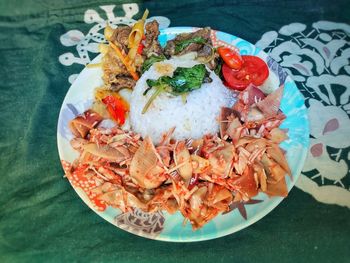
pixel 189 42
pixel 195 134
pixel 135 37
pixel 253 70
pixel 82 124
pixel 154 115
pixel 231 58
pixel 111 104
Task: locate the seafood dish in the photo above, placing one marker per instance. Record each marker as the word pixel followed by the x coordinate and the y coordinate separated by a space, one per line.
pixel 188 126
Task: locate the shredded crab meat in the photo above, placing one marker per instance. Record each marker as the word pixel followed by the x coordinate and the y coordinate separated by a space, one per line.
pixel 198 177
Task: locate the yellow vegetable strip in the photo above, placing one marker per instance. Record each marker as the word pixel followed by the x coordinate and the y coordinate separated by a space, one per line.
pixel 137 31
pixel 108 32
pixel 132 54
pixel 94 65
pixel 136 35
pixel 103 48
pixel 101 93
pixel 184 98
pixel 125 61
pixel 159 90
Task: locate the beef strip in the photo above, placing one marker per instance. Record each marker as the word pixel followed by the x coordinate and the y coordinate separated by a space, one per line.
pixel 122 82
pixel 203 50
pixel 116 76
pixel 151 43
pixel 120 37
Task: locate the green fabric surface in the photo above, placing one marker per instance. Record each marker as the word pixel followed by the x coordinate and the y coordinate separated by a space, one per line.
pixel 41 217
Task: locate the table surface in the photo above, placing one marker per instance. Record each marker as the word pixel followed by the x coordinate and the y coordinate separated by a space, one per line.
pixel 41 217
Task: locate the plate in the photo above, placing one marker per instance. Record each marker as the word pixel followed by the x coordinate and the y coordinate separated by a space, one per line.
pixel 166 227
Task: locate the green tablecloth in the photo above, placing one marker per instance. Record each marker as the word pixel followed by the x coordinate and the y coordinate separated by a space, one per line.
pixel 41 217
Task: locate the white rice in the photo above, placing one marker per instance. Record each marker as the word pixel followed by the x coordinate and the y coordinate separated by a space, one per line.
pixel 197 117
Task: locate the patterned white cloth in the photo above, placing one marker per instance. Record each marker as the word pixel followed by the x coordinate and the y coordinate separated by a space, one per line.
pixel 317 58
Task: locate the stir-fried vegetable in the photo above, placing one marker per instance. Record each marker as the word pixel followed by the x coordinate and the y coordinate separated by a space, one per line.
pixel 136 36
pixel 125 61
pixel 184 80
pixel 181 45
pixel 150 61
pixel 108 32
pixel 217 69
pixel 141 46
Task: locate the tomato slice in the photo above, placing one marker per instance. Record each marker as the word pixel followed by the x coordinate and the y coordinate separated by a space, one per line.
pixel 254 70
pixel 231 58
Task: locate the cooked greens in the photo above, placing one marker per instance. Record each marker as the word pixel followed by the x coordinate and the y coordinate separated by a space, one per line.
pixel 218 68
pixel 184 80
pixel 150 61
pixel 181 45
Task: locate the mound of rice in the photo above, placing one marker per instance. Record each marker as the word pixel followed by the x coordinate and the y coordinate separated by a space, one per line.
pixel 197 117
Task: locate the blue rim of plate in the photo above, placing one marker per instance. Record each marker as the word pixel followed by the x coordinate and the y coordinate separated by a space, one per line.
pixel 165 227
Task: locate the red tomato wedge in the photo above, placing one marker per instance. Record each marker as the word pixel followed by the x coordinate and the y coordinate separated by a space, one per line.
pixel 230 57
pixel 254 70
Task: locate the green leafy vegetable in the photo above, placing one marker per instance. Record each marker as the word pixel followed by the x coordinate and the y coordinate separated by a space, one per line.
pixel 218 68
pixel 150 61
pixel 182 44
pixel 184 80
